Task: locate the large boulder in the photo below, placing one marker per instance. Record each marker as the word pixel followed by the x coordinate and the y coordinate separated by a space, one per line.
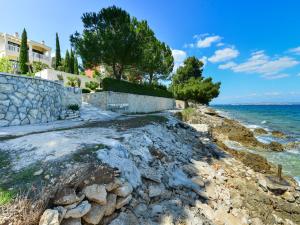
pixel 66 196
pixel 78 212
pixel 95 215
pixel 111 204
pixel 71 221
pixel 278 134
pixel 96 193
pixel 260 131
pixel 50 217
pixel 275 146
pixel 123 201
pixel 124 190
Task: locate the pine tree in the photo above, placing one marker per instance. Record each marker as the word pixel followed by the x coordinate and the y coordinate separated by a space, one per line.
pixel 23 58
pixel 57 53
pixel 67 62
pixel 76 71
pixel 72 62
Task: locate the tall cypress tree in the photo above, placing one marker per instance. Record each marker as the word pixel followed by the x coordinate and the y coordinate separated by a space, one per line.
pixel 23 57
pixel 57 53
pixel 72 62
pixel 76 70
pixel 67 62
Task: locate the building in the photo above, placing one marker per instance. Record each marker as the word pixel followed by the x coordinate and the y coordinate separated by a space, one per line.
pixel 10 48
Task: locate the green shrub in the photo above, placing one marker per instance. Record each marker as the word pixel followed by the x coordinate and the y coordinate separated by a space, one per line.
pixel 93 85
pixel 73 107
pixel 85 90
pixel 110 84
pixel 98 90
pixel 188 113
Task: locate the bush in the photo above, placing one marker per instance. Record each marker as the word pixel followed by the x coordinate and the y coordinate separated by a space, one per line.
pixel 98 90
pixel 110 84
pixel 73 107
pixel 85 90
pixel 93 85
pixel 188 113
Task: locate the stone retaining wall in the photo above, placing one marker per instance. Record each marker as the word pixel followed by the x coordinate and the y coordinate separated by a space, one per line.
pixel 27 100
pixel 128 103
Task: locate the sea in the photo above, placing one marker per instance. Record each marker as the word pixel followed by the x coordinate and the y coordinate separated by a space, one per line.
pixel 284 118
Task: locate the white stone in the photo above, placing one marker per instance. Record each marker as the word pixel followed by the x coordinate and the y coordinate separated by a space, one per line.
pixel 95 215
pixel 124 190
pixel 96 193
pixel 50 217
pixel 123 201
pixel 111 204
pixel 79 211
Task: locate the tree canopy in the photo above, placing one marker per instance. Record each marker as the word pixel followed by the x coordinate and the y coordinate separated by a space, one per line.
pixel 188 83
pixel 112 37
pixel 23 57
pixel 57 53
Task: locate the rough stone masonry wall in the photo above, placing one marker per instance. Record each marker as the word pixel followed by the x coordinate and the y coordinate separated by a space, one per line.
pixel 128 103
pixel 27 100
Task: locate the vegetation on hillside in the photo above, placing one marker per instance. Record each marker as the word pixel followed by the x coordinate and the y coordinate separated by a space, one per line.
pixel 6 66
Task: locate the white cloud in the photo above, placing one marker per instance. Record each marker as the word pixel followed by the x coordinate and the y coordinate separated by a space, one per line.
pixel 224 55
pixel 204 60
pixel 295 50
pixel 220 44
pixel 179 57
pixel 227 65
pixel 275 76
pixel 260 63
pixel 207 41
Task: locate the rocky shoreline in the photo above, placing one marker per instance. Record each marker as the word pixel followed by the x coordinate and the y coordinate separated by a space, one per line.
pixel 169 172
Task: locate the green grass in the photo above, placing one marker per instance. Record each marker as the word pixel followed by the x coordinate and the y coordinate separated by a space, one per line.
pixel 6 196
pixel 79 155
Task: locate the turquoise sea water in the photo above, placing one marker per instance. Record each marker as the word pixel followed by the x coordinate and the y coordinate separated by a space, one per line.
pixel 285 118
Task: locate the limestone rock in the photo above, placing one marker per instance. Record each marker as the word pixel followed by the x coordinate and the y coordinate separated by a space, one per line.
pixel 95 215
pixel 123 201
pixel 96 193
pixel 71 221
pixel 66 196
pixel 61 211
pixel 50 217
pixel 275 146
pixel 125 219
pixel 111 204
pixel 124 190
pixel 288 196
pixel 82 209
pixel 156 190
pixel 198 180
pixel 113 185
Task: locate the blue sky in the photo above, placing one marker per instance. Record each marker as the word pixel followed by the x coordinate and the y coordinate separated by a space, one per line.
pixel 250 46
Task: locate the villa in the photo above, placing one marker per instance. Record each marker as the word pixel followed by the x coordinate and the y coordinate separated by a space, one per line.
pixel 10 47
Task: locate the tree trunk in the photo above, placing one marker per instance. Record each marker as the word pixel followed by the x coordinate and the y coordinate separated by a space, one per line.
pixel 186 104
pixel 150 78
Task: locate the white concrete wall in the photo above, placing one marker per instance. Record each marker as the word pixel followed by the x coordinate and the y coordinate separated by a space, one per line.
pixel 51 74
pixel 128 103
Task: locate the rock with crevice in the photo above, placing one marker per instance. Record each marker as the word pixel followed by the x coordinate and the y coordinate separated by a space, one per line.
pixel 111 204
pixel 67 196
pixel 123 201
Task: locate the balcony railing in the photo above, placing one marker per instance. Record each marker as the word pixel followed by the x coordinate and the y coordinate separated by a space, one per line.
pixel 13 48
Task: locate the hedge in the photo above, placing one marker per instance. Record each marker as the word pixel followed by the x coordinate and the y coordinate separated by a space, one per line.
pixel 110 84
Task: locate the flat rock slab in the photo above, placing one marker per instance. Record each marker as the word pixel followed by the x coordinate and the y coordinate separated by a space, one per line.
pixel 96 193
